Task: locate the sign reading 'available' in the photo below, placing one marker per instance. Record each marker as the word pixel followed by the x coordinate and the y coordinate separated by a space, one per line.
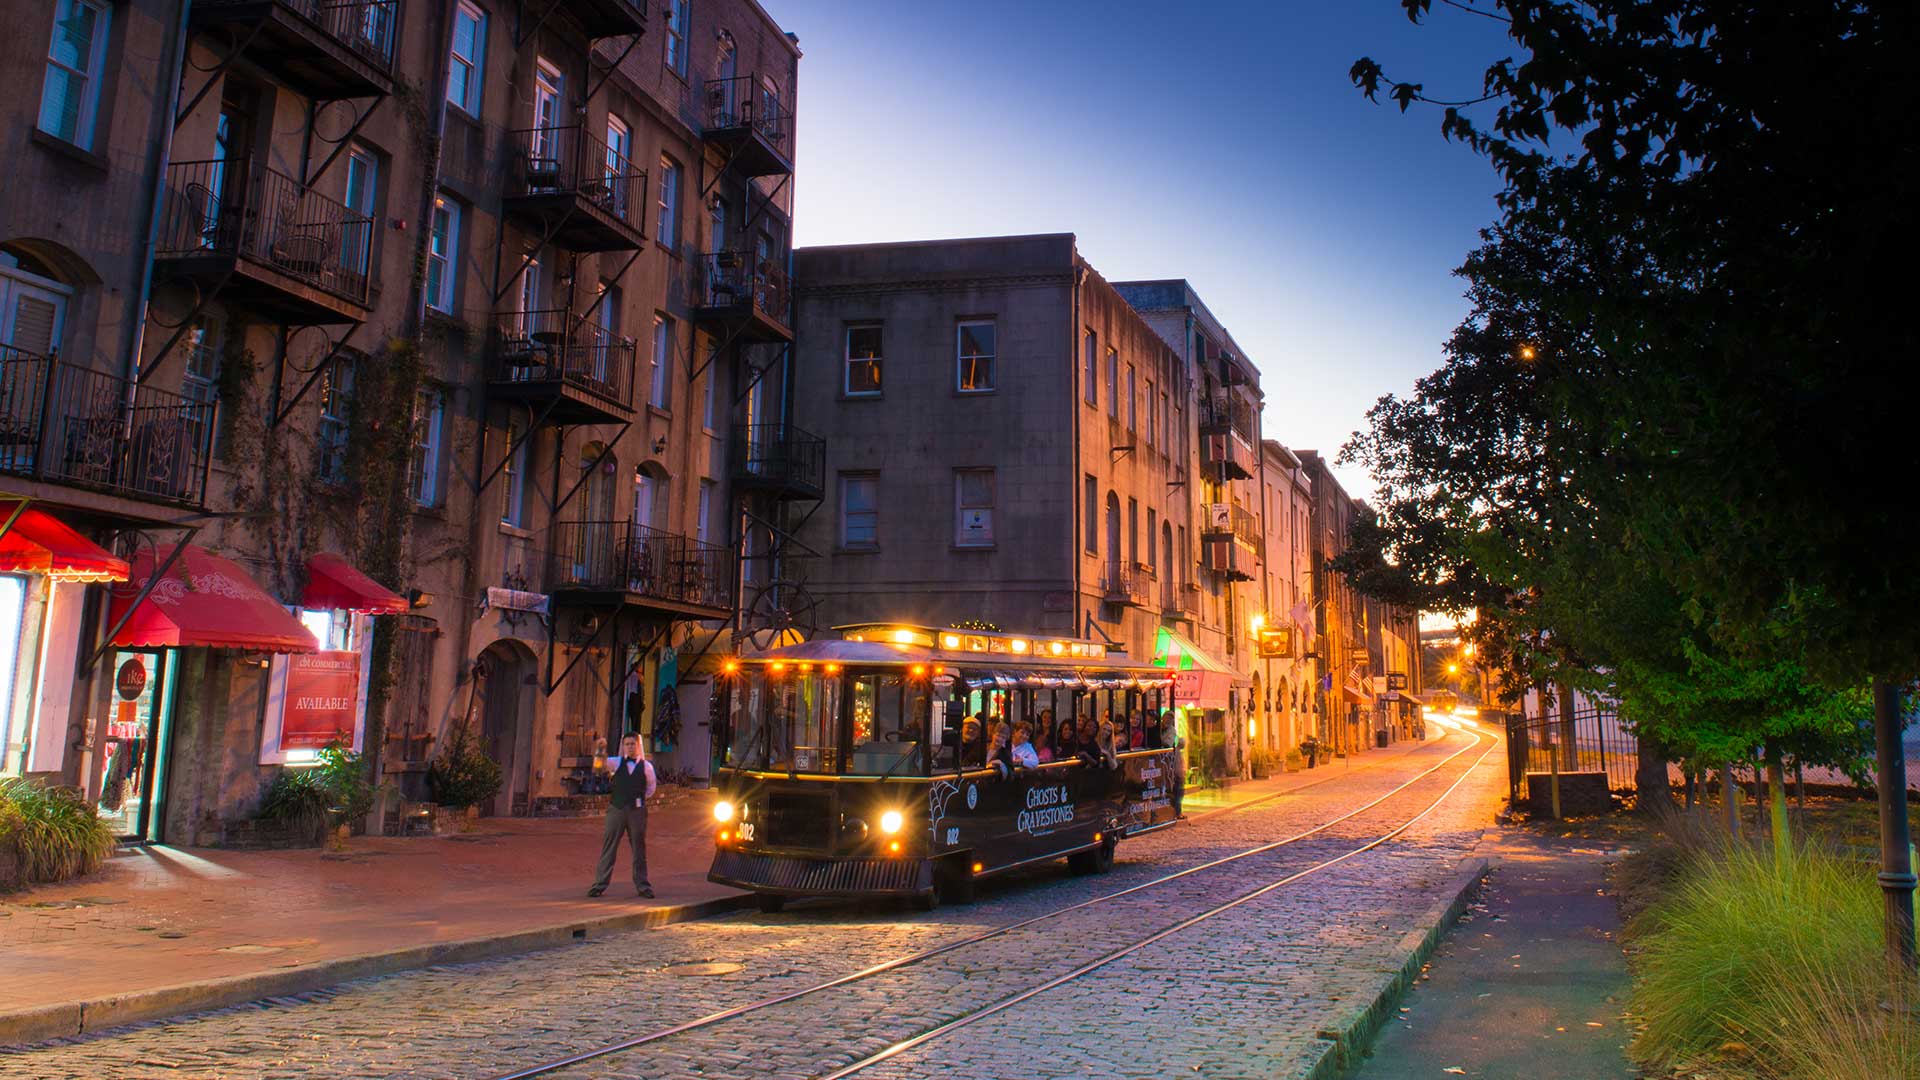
pixel 322 690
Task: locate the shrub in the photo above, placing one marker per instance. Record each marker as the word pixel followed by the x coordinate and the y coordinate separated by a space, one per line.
pixel 1768 962
pixel 57 833
pixel 298 800
pixel 463 774
pixel 306 800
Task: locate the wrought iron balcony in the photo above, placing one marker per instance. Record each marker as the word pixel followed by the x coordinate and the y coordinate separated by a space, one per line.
pixel 1179 601
pixel 603 18
pixel 640 566
pixel 266 242
pixel 576 189
pixel 1232 521
pixel 1226 556
pixel 738 287
pixel 746 119
pixel 580 372
pixel 65 424
pixel 1122 584
pixel 325 50
pixel 779 458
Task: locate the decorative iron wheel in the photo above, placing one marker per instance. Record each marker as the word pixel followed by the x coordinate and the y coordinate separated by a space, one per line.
pixel 781 612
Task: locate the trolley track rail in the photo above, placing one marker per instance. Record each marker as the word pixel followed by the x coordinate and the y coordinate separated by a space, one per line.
pixel 724 1015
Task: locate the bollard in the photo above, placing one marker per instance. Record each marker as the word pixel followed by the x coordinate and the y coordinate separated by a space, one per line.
pixel 1554 783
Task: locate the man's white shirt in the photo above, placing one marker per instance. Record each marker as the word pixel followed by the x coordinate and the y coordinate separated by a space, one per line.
pixel 615 764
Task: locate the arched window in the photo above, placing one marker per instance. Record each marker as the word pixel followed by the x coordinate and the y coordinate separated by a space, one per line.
pixel 33 302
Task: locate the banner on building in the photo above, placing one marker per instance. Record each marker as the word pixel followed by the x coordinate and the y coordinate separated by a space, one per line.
pixel 322 697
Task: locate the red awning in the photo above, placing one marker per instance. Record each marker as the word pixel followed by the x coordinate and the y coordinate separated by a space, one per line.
pixel 333 583
pixel 40 543
pixel 204 600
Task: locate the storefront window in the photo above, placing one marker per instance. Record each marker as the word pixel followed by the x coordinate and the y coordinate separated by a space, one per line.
pixel 13 608
pixel 121 783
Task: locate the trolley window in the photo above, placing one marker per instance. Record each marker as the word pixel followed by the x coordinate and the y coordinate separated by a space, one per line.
pixel 889 721
pixel 785 723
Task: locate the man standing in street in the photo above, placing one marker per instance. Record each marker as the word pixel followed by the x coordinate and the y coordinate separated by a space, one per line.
pixel 631 775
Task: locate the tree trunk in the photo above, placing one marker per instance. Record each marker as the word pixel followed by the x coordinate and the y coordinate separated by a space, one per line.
pixel 1896 839
pixel 1730 794
pixel 1653 788
pixel 1777 807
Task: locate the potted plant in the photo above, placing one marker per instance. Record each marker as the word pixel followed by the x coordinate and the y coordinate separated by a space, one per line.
pixel 1310 749
pixel 1260 762
pixel 463 776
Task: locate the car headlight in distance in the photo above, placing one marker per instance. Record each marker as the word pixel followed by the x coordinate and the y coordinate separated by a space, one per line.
pixel 723 811
pixel 890 821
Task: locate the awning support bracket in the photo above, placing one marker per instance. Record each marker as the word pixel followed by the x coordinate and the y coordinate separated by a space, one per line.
pixel 146 590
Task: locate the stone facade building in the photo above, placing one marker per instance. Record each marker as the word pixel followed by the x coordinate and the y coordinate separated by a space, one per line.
pixel 1019 442
pixel 487 300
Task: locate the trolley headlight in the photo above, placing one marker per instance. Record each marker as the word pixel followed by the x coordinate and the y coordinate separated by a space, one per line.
pixel 890 822
pixel 723 811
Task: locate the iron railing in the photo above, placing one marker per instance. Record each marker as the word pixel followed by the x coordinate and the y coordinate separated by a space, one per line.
pixel 1222 412
pixel 737 279
pixel 779 454
pixel 1121 584
pixel 559 346
pixel 571 160
pixel 745 104
pixel 1590 740
pixel 619 556
pixel 365 26
pixel 72 425
pixel 1232 520
pixel 242 209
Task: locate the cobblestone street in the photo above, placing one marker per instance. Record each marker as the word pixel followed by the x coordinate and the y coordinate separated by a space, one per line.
pixel 1246 993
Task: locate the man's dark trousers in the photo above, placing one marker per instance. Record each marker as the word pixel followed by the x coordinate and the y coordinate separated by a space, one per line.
pixel 629 787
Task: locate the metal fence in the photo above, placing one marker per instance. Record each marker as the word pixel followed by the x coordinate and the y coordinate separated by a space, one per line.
pixel 239 208
pixel 779 454
pixel 618 556
pixel 739 280
pixel 744 102
pixel 571 160
pixel 1591 740
pixel 88 428
pixel 559 346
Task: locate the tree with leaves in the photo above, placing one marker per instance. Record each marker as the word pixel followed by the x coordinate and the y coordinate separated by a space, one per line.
pixel 1737 181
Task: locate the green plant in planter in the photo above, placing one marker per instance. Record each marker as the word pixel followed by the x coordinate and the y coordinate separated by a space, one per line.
pixel 463 775
pixel 56 833
pixel 298 801
pixel 306 801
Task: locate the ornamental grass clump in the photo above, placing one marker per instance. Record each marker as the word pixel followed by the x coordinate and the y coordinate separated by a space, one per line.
pixel 56 833
pixel 1769 963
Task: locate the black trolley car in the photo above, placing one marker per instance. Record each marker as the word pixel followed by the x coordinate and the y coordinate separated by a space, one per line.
pixel 850 767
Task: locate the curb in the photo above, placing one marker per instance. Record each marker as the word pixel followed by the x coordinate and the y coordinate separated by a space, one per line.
pixel 1346 1040
pixel 72 1018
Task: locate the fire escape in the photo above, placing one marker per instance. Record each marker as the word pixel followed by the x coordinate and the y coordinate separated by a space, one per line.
pixel 742 299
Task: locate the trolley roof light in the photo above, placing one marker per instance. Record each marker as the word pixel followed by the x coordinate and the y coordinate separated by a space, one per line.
pixel 730 666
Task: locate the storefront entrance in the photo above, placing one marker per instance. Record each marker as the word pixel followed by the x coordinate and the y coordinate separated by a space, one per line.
pixel 16 678
pixel 123 772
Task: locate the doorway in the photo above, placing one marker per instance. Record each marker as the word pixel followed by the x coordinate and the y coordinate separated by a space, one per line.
pixel 121 777
pixel 507 678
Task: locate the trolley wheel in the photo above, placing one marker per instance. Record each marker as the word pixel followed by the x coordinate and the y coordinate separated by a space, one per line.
pixel 1080 862
pixel 772 903
pixel 1100 859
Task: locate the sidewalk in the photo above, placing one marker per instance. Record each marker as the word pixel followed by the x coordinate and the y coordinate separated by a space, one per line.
pixel 1532 983
pixel 162 930
pixel 166 930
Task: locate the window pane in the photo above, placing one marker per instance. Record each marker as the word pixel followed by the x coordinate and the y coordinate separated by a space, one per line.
pixel 60 107
pixel 976 339
pixel 976 488
pixel 863 342
pixel 74 25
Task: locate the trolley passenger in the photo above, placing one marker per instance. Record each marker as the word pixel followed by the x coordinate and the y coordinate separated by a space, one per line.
pixel 1000 748
pixel 1066 742
pixel 972 749
pixel 1024 755
pixel 1103 746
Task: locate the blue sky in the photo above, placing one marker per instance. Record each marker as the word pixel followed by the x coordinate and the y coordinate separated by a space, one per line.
pixel 1220 142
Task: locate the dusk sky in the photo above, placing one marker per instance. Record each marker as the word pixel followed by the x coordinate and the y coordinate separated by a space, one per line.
pixel 1219 142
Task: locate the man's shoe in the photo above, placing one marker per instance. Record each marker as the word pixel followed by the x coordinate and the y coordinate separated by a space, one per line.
pixel 646 894
pixel 596 890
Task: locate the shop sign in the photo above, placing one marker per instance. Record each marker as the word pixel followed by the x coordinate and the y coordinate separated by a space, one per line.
pixel 131 680
pixel 1202 689
pixel 1276 642
pixel 1396 680
pixel 518 600
pixel 323 690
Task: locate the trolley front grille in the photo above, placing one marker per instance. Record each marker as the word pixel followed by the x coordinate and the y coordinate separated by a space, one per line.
pixel 787 873
pixel 798 820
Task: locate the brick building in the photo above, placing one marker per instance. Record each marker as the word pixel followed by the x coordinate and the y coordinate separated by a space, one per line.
pixel 484 301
